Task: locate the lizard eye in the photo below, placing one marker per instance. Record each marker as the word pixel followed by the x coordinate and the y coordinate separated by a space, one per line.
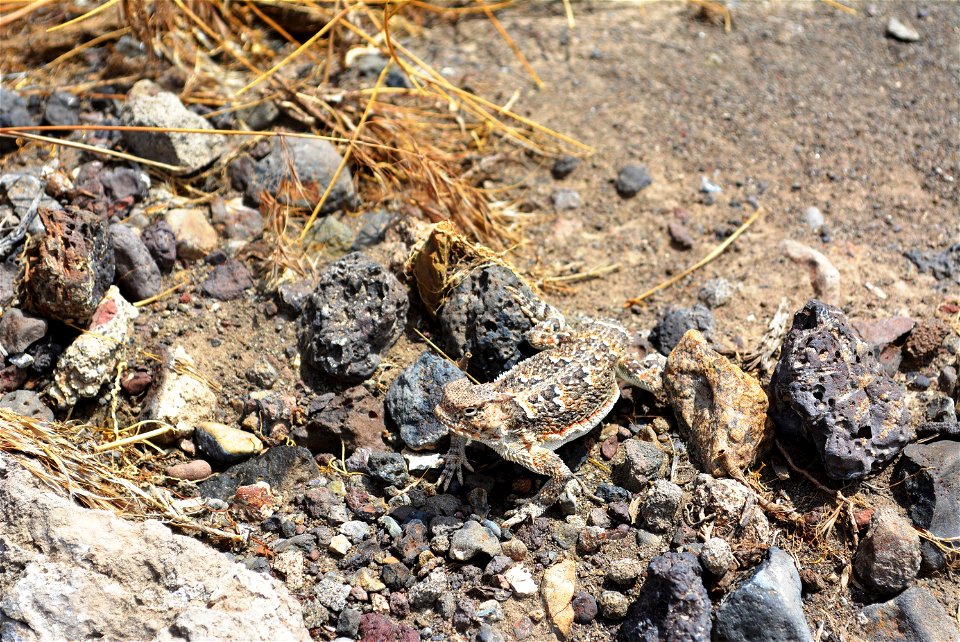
pixel 470 412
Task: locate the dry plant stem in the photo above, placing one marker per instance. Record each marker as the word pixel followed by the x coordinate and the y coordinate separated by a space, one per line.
pixel 443 354
pixel 106 5
pixel 135 439
pixel 714 253
pixel 777 511
pixel 21 12
pixel 841 7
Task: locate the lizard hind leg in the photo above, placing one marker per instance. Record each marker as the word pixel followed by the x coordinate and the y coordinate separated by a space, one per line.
pixel 546 462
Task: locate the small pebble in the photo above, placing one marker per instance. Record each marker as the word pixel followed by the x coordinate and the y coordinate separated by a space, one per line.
pixel 190 471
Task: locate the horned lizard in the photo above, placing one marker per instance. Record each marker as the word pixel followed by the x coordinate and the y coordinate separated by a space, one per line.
pixel 546 401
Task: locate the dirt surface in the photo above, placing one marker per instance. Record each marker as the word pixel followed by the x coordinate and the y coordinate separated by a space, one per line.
pixel 800 106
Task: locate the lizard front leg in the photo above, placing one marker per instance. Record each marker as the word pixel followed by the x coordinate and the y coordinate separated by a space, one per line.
pixel 454 461
pixel 545 462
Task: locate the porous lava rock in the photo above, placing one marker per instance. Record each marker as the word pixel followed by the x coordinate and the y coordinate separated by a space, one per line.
pixel 672 605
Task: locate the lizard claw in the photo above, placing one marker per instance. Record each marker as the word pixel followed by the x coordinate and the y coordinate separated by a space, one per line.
pixel 530 510
pixel 453 465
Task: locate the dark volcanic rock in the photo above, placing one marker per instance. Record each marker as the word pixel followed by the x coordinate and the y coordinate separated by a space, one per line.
pixel 70 267
pixel 62 109
pixel 631 179
pixel 313 163
pixel 913 616
pixel 481 317
pixel 285 468
pixel 765 608
pixel 137 274
pixel 943 265
pixel 413 396
pixel 26 403
pixel 354 418
pixel 828 388
pixel 675 323
pixel 162 243
pixel 390 468
pixel 889 556
pixel 928 480
pixel 636 463
pixel 228 281
pixel 672 605
pixel 355 314
pixel 564 166
pixel 13 113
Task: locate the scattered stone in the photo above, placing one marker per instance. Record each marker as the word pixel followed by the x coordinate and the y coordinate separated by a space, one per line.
pixel 737 517
pixel 427 591
pixel 680 235
pixel 354 417
pixel 225 443
pixel 26 403
pixel 91 360
pixel 235 221
pixel 137 274
pixel 631 179
pixel 285 468
pixel 721 411
pixel 614 605
pixel 829 389
pixel 13 113
pixel 195 236
pixel 70 270
pixel 813 218
pixel 715 293
pixel 564 166
pixel 925 340
pixel 889 556
pixel 357 312
pixel 124 184
pixel 943 265
pixel 396 576
pixel 373 228
pixel 824 277
pixel 333 234
pixel 565 199
pixel 20 191
pixel 559 584
pixel 339 545
pixel 264 376
pixel 414 394
pixel 179 398
pixel 472 540
pixel 148 106
pixel 348 624
pixel 190 470
pixel 228 281
pixel 521 582
pixel 332 591
pixel 515 549
pixel 376 627
pixel 675 322
pixel 389 468
pixel 884 331
pixel 624 572
pixel 661 505
pixel 716 557
pixel 19 330
pixel 161 243
pixel 585 608
pixel 637 463
pixel 766 607
pixel 483 318
pixel 82 574
pixel 928 476
pixel 901 31
pixel 913 616
pixel 672 604
pixel 296 172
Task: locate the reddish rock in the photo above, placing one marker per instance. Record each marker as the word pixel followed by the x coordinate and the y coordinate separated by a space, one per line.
pixel 136 382
pixel 609 447
pixel 254 496
pixel 11 378
pixel 190 471
pixel 680 235
pixel 925 340
pixel 375 627
pixel 881 332
pixel 889 556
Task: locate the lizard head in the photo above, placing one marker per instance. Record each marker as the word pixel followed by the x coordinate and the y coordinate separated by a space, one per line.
pixel 476 411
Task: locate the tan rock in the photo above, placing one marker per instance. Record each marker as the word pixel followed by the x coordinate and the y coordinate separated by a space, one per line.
pixel 559 584
pixel 190 470
pixel 195 236
pixel 720 409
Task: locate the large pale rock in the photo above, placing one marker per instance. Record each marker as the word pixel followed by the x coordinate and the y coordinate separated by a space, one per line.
pixel 559 583
pixel 179 398
pixel 76 574
pixel 721 410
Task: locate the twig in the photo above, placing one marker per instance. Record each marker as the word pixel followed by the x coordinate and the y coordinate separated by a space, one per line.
pixel 13 239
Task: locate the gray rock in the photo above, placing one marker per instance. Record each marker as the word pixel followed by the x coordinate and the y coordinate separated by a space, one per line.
pixel 889 556
pixel 236 221
pixel 829 389
pixel 313 163
pixel 148 106
pixel 614 606
pixel 624 572
pixel 565 199
pixel 637 463
pixel 19 330
pixel 356 313
pixel 913 616
pixel 333 234
pixel 672 605
pixel 766 607
pixel 716 557
pixel 348 624
pixel 373 228
pixel 160 241
pixel 472 540
pixel 414 394
pixel 13 113
pixel 62 108
pixel 481 317
pixel 631 179
pixel 813 218
pixel 19 190
pixel 487 633
pixel 661 505
pixel 285 468
pixel 27 403
pixel 715 293
pixel 322 503
pixel 901 31
pixel 674 324
pixel 228 281
pixel 390 468
pixel 124 183
pixel 137 274
pixel 564 166
pixel 78 574
pixel 427 591
pixel 737 515
pixel 332 591
pixel 927 479
pixel 944 265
